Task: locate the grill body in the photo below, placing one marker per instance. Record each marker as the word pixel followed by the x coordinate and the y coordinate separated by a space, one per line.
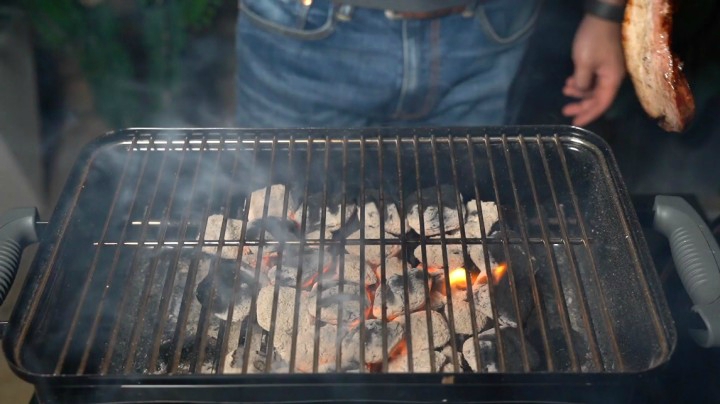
pixel 107 310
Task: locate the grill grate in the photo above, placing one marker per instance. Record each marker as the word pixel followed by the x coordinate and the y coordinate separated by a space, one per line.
pixel 132 246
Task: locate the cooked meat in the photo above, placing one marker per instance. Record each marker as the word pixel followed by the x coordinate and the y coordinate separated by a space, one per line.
pixel 656 73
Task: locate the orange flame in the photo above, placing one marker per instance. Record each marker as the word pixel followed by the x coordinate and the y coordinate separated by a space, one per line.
pixel 268 260
pixel 458 278
pixel 498 273
pixel 311 281
pixel 399 350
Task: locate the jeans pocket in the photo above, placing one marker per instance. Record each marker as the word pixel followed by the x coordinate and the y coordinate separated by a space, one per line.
pixel 506 22
pixel 290 17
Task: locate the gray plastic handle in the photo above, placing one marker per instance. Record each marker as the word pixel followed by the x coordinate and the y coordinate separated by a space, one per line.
pixel 17 231
pixel 697 260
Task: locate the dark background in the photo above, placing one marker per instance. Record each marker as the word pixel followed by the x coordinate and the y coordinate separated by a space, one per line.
pixel 105 64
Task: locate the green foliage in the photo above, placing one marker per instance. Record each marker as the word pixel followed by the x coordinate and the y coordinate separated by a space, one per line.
pixel 131 56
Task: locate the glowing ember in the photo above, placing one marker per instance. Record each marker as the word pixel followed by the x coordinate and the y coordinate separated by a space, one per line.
pixel 498 273
pixel 399 350
pixel 458 278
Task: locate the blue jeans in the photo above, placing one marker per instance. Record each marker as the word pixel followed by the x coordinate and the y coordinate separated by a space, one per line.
pixel 337 66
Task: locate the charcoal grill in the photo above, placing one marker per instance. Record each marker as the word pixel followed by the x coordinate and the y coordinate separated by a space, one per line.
pixel 110 310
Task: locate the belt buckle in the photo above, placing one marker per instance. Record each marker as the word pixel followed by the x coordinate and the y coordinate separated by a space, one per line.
pixel 393 15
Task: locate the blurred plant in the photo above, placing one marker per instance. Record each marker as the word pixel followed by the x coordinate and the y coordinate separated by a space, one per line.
pixel 129 50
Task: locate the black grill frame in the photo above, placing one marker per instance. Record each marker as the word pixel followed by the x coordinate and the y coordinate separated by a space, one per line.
pixel 38 278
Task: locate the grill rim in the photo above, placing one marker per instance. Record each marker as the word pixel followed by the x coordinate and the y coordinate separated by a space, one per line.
pixel 29 301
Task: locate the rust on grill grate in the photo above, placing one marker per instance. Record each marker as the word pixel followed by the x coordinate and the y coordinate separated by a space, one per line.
pixel 237 253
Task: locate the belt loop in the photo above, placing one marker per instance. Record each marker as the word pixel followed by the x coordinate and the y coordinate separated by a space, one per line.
pixel 344 12
pixel 470 9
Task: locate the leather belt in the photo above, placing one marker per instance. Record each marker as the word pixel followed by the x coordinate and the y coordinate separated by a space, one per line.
pixel 428 15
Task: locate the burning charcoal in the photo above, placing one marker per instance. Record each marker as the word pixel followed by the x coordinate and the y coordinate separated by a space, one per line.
pixel 333 218
pixel 374 340
pixel 434 255
pixel 437 301
pixel 503 296
pixel 421 362
pixel 487 342
pixel 455 257
pixel 310 266
pixel 351 271
pixel 223 276
pixel 313 237
pixel 372 252
pixel 305 347
pixel 393 266
pixel 431 211
pixel 419 330
pixel 275 200
pixel 287 275
pixel 490 217
pixel 395 294
pixel 392 218
pixel 462 313
pixel 257 355
pixel 233 230
pixel 449 366
pixel 330 298
pixel 285 308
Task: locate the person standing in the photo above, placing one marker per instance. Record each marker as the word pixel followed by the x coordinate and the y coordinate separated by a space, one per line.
pixel 366 63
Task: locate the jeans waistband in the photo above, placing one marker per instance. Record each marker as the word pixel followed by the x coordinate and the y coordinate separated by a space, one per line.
pixel 408 6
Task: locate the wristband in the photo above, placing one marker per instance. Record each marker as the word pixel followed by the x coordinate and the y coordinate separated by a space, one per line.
pixel 610 12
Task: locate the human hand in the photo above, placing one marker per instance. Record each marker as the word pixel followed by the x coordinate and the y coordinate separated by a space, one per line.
pixel 599 69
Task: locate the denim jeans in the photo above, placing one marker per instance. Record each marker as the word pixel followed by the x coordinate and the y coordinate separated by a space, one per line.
pixel 328 65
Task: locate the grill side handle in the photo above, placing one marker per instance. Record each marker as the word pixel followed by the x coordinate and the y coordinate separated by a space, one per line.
pixel 697 260
pixel 17 231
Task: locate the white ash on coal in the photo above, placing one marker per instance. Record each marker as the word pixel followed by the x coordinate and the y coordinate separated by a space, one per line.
pixel 315 237
pixel 393 267
pixel 437 301
pixel 449 366
pixel 455 254
pixel 290 266
pixel 305 329
pixel 372 252
pixel 418 333
pixel 333 212
pixel 434 255
pixel 462 312
pixel 392 294
pixel 285 307
pixel 268 229
pixel 490 216
pixel 452 215
pixel 275 200
pixel 392 221
pixel 305 352
pixel 489 359
pixel 287 275
pixel 374 332
pixel 352 268
pixel 420 362
pixel 233 231
pixel 258 353
pixel 331 300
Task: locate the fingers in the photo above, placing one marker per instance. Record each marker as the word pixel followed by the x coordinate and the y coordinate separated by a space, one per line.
pixel 593 102
pixel 582 78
